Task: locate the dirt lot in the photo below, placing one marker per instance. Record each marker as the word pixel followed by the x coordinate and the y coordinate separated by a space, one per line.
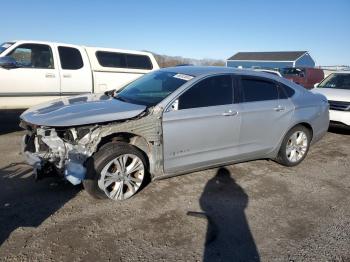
pixel 256 211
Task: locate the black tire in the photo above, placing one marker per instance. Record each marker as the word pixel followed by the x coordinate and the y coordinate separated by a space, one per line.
pixel 100 159
pixel 282 157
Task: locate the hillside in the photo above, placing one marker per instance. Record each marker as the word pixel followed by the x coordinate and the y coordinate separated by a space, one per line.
pixel 167 61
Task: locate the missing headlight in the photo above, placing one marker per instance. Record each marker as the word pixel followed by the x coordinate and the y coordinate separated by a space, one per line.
pixel 69 135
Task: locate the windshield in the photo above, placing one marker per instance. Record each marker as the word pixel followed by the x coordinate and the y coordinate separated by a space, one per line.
pixel 4 46
pixel 337 81
pixel 152 88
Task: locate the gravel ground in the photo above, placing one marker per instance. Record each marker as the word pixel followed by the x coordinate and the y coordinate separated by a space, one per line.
pixel 255 211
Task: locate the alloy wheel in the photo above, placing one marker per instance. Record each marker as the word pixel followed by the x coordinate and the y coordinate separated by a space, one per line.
pixel 122 177
pixel 296 146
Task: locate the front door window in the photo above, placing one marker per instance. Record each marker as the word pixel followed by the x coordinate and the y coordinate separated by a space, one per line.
pixel 33 56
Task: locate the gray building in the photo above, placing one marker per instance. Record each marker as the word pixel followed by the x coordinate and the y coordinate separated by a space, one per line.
pixel 271 60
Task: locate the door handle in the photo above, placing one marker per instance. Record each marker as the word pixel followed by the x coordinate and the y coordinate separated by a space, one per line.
pixel 279 108
pixel 50 75
pixel 67 75
pixel 230 113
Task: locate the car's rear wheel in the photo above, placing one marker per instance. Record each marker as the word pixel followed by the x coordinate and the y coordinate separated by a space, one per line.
pixel 117 171
pixel 295 146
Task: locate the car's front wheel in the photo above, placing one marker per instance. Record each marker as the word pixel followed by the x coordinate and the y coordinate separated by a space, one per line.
pixel 116 171
pixel 295 146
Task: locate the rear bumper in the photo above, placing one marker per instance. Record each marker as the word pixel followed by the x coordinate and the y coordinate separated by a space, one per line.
pixel 340 116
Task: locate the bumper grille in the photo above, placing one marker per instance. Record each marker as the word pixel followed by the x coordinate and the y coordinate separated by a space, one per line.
pixel 339 105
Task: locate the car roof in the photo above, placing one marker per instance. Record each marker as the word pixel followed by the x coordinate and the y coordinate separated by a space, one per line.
pixel 267 70
pixel 93 48
pixel 208 70
pixel 199 70
pixel 202 71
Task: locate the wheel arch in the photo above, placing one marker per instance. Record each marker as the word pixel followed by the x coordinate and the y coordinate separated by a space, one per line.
pixel 306 125
pixel 279 155
pixel 130 138
pixel 302 123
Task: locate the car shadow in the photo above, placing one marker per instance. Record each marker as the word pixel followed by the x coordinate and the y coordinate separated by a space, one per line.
pixel 9 121
pixel 337 129
pixel 25 203
pixel 228 235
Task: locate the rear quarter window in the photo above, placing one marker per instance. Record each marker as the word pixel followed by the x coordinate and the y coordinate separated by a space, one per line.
pixel 285 91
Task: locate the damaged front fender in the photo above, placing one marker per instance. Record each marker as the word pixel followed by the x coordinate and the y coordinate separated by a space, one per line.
pixel 68 150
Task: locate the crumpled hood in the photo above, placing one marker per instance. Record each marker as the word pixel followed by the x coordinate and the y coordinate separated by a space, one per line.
pixel 334 94
pixel 81 110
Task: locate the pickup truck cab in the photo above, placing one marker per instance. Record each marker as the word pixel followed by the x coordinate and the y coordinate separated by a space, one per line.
pixel 33 72
pixel 306 77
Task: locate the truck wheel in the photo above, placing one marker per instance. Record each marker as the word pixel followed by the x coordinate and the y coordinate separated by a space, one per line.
pixel 116 171
pixel 295 146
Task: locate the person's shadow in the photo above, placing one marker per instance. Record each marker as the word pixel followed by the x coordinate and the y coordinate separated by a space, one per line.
pixel 228 235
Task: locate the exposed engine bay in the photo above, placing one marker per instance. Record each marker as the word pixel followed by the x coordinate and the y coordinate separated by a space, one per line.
pixel 64 151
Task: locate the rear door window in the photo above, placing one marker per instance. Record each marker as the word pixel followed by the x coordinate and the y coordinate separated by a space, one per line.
pixel 258 89
pixel 70 58
pixel 212 91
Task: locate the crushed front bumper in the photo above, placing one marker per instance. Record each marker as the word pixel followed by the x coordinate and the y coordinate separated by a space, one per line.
pixel 59 159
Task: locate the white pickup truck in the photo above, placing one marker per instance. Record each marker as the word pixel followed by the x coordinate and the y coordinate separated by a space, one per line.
pixel 32 72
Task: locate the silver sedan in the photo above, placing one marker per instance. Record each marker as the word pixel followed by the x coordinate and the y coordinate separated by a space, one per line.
pixel 169 122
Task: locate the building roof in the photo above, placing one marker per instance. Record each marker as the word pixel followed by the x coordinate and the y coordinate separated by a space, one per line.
pixel 268 56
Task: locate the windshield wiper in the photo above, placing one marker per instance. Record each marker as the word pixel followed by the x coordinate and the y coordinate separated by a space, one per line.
pixel 121 99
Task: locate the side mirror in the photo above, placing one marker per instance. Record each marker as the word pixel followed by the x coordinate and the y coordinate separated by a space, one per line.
pixel 8 62
pixel 174 106
pixel 316 85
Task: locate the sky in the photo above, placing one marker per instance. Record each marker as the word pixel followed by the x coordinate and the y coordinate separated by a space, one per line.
pixel 192 28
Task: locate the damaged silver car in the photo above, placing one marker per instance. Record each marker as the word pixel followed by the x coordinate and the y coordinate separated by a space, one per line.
pixel 169 122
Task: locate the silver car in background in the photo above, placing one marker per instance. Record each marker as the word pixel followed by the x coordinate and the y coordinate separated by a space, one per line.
pixel 169 122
